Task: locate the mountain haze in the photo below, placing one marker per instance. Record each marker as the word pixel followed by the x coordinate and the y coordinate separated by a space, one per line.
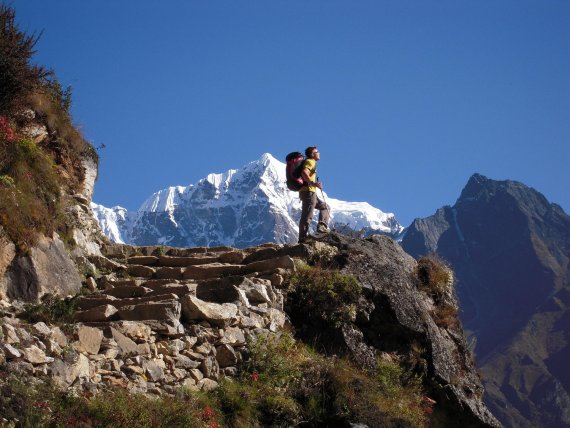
pixel 240 208
pixel 510 249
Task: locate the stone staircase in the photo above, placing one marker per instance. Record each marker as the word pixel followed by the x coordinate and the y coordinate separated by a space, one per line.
pixel 158 318
pixel 171 317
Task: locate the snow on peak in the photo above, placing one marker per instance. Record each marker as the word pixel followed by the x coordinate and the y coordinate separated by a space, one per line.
pixel 163 200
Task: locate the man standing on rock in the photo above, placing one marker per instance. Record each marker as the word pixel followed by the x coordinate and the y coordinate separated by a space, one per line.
pixel 308 196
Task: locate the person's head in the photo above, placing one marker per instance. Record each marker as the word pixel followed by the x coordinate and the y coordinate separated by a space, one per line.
pixel 312 153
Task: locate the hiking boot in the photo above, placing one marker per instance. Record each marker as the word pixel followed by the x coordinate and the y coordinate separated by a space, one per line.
pixel 323 228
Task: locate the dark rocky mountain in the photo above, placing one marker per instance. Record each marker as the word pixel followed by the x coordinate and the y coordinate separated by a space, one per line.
pixel 510 249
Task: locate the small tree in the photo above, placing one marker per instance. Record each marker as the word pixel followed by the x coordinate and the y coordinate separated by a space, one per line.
pixel 18 77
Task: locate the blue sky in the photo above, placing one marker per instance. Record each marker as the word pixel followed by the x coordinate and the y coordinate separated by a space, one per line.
pixel 405 99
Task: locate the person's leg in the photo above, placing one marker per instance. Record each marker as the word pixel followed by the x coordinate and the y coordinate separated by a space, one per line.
pixel 324 215
pixel 308 202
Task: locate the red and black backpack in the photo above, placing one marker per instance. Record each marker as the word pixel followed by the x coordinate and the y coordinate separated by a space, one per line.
pixel 294 167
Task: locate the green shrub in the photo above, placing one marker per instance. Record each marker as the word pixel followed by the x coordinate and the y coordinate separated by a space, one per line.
pixel 6 181
pixel 326 296
pixel 51 310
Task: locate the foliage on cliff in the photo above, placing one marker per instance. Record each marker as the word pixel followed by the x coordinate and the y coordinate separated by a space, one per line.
pixel 41 151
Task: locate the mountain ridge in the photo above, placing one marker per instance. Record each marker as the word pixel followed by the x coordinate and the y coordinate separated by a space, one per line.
pixel 510 249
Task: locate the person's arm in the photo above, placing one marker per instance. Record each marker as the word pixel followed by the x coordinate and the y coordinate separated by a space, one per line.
pixel 305 175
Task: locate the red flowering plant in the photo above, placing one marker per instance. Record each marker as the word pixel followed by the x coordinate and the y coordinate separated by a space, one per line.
pixel 6 131
pixel 208 415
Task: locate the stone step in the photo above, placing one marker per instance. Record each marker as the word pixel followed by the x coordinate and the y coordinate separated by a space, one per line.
pixel 89 302
pixel 141 271
pixel 158 311
pixel 183 261
pixel 212 270
pixel 153 284
pixel 124 251
pixel 127 291
pixel 97 314
pixel 177 289
pixel 143 260
pixel 283 262
pixel 119 303
pixel 169 273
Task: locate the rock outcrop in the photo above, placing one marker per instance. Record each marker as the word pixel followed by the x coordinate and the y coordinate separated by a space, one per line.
pixel 395 317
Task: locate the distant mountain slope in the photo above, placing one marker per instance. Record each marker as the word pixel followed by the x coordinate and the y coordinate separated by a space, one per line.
pixel 240 208
pixel 510 249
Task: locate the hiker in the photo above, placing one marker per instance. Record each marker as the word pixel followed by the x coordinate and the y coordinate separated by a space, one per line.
pixel 308 196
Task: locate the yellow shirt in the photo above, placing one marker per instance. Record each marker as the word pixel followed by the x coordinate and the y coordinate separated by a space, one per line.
pixel 311 165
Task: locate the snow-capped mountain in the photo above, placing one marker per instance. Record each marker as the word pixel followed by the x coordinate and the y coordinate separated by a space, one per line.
pixel 239 208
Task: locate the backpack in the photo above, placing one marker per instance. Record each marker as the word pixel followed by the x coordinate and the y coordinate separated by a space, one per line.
pixel 293 173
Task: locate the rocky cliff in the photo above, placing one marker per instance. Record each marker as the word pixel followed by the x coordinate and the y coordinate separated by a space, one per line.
pixel 509 247
pixel 162 318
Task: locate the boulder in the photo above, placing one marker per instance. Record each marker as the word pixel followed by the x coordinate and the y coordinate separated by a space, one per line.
pixel 91 284
pixel 48 269
pixel 64 373
pixel 226 356
pixel 7 255
pixel 256 292
pixel 207 385
pixel 252 320
pixel 10 352
pixel 10 334
pixel 233 336
pixel 59 336
pixel 126 346
pixel 210 368
pixel 134 330
pixel 184 362
pixel 153 370
pixel 89 340
pixel 277 319
pixel 168 328
pixel 197 309
pixel 35 355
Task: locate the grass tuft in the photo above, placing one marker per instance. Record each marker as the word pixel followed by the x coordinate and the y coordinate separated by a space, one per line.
pixel 325 296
